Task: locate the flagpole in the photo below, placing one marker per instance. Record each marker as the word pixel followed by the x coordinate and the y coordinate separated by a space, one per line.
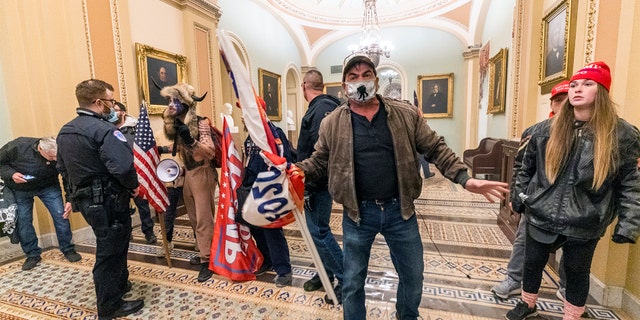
pixel 165 243
pixel 322 272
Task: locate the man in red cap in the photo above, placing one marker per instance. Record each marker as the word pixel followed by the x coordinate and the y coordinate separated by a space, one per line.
pixel 558 97
pixel 512 284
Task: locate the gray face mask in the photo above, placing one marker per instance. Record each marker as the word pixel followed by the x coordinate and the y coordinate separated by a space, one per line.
pixel 361 91
pixel 112 116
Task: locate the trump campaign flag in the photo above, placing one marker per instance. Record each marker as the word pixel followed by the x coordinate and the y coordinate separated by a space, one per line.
pixel 233 252
pixel 270 200
pixel 145 160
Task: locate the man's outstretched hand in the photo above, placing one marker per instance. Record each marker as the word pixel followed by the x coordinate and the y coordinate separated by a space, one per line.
pixel 489 189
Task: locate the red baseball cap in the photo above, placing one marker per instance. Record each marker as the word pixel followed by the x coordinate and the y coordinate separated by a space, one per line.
pixel 562 87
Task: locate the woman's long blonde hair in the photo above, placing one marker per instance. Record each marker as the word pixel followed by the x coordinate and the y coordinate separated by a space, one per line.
pixel 603 125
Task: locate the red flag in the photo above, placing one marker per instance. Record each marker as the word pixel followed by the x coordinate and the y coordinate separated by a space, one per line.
pixel 233 252
pixel 145 160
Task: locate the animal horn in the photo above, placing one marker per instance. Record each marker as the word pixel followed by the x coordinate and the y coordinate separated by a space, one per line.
pixel 196 98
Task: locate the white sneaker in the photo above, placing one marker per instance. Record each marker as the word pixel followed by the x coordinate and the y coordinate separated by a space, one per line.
pixel 508 287
pixel 160 253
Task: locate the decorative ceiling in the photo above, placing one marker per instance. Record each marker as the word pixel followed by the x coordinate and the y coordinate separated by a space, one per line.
pixel 317 23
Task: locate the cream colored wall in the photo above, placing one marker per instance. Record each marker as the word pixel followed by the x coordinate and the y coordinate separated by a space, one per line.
pixel 44 56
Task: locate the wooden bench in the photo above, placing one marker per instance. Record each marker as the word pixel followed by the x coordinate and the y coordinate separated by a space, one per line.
pixel 486 159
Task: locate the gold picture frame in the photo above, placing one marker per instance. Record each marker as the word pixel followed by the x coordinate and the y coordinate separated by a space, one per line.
pixel 557 45
pixel 334 89
pixel 436 104
pixel 163 67
pixel 497 82
pixel 268 80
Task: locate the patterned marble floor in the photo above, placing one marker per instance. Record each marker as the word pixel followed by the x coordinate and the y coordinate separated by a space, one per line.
pixel 465 255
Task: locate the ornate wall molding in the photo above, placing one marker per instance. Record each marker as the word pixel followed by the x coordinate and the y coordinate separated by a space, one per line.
pixel 203 6
pixel 518 26
pixel 117 43
pixel 590 43
pixel 87 34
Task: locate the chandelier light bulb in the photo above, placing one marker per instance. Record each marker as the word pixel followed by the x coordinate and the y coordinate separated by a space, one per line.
pixel 370 41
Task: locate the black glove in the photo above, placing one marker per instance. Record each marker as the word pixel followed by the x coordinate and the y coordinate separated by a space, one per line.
pixel 307 201
pixel 183 132
pixel 621 239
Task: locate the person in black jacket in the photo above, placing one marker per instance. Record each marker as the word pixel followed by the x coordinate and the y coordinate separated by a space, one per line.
pixel 28 167
pixel 96 164
pixel 318 201
pixel 578 173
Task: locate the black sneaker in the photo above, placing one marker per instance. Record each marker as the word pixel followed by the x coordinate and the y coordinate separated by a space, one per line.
pixel 72 256
pixel 521 312
pixel 205 273
pixel 194 260
pixel 151 238
pixel 31 263
pixel 314 283
pixel 338 291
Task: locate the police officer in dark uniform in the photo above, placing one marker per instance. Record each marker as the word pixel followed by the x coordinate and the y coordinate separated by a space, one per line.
pixel 96 164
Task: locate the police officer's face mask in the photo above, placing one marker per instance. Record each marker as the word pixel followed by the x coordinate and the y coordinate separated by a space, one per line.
pixel 112 116
pixel 361 91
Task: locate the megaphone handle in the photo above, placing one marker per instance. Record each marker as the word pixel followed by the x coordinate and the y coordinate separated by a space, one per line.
pixel 175 147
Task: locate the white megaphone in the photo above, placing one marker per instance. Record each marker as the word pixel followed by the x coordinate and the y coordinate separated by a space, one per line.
pixel 168 170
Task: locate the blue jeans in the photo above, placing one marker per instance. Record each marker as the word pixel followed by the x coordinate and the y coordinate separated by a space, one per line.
pixel 274 248
pixel 52 199
pixel 405 246
pixel 146 223
pixel 318 224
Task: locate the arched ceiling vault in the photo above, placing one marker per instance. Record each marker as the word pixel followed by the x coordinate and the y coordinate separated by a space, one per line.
pixel 316 24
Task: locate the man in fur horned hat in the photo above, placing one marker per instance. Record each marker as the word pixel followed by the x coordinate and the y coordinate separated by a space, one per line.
pixel 192 140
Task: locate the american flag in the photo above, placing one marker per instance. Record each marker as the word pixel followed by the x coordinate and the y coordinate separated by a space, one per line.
pixel 233 253
pixel 145 160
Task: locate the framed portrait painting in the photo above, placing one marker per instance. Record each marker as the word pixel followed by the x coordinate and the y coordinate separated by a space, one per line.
pixel 335 89
pixel 497 82
pixel 435 93
pixel 270 91
pixel 556 52
pixel 156 70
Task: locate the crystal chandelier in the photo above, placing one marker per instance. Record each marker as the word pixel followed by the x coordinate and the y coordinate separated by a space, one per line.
pixel 370 42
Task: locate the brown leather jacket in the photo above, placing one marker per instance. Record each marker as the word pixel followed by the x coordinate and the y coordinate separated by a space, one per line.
pixel 411 136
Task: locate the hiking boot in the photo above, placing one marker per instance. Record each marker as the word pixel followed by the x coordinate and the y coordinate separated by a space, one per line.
pixel 72 256
pixel 195 260
pixel 283 280
pixel 508 287
pixel 338 291
pixel 205 274
pixel 521 311
pixel 160 253
pixel 263 269
pixel 31 263
pixel 151 238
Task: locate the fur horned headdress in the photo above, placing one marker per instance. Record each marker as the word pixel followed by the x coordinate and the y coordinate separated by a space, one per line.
pixel 185 93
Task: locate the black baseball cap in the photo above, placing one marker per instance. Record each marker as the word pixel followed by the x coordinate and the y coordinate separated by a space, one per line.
pixel 355 58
